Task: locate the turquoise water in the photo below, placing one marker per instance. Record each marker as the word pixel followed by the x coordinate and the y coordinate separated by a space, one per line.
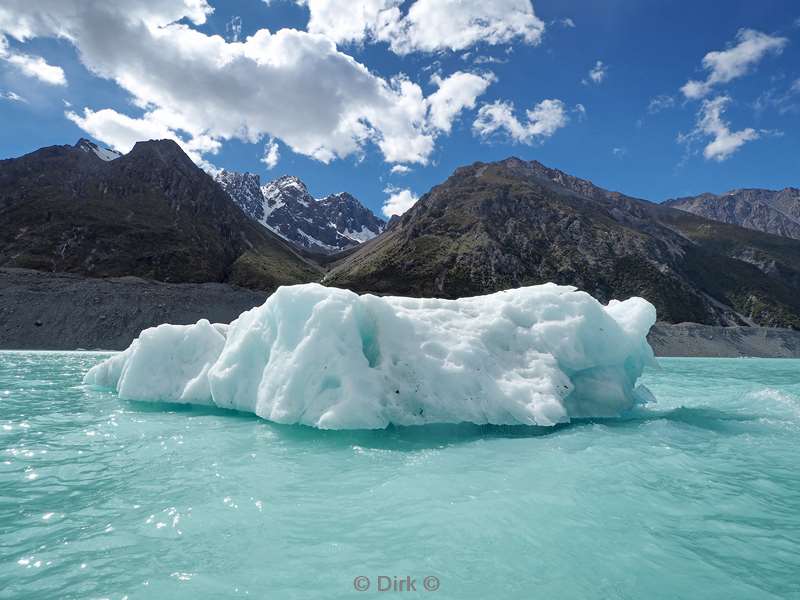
pixel 697 497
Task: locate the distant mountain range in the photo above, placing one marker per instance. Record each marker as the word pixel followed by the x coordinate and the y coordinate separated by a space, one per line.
pixel 151 213
pixel 328 225
pixel 770 211
pixel 490 226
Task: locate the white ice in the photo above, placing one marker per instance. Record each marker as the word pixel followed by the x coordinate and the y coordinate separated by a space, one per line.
pixel 329 358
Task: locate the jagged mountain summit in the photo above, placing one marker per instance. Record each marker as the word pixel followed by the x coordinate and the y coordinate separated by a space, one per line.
pixel 771 211
pixel 105 154
pixel 150 213
pixel 495 226
pixel 284 205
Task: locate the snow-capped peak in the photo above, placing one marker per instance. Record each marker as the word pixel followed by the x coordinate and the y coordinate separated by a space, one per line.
pixel 290 182
pixel 105 154
pixel 287 208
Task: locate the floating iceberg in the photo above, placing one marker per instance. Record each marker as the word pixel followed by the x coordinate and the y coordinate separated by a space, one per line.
pixel 332 359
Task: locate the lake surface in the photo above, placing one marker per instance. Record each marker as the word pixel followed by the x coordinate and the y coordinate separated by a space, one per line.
pixel 696 497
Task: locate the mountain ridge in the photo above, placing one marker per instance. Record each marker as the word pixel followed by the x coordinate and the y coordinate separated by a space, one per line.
pixel 770 211
pixel 490 226
pixel 284 206
pixel 151 213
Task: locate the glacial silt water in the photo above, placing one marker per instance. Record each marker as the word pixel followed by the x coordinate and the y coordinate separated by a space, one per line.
pixel 697 496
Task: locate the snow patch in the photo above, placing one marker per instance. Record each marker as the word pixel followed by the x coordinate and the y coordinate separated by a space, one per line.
pixel 106 154
pixel 332 359
pixel 360 236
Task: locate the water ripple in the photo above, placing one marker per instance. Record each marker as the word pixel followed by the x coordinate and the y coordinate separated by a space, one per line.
pixel 102 498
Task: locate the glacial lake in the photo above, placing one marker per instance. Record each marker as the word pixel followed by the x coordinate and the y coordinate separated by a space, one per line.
pixel 697 496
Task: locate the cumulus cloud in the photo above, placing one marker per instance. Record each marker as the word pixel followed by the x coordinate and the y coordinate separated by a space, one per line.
pixel 726 65
pixel 398 202
pixel 710 124
pixel 400 170
pixel 428 25
pixel 32 66
pixel 597 73
pixel 456 93
pixel 199 89
pixel 542 121
pixel 271 154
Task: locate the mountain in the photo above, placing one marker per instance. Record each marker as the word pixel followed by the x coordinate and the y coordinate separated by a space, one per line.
pixel 328 225
pixel 151 213
pixel 771 211
pixel 500 225
pixel 105 154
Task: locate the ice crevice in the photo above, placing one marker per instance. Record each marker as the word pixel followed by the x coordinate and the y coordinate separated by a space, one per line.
pixel 330 358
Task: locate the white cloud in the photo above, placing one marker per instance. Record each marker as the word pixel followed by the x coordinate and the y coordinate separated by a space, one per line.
pixel 271 154
pixel 725 65
pixel 289 85
pixel 457 92
pixel 400 170
pixel 580 109
pixel 121 132
pixel 12 97
pixel 597 73
pixel 428 25
pixel 659 103
pixel 398 202
pixel 567 22
pixel 32 66
pixel 619 152
pixel 710 123
pixel 543 120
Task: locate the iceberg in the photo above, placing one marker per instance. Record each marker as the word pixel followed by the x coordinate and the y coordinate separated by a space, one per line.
pixel 333 359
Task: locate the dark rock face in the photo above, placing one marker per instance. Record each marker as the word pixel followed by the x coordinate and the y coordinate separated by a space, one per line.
pixel 331 224
pixel 151 213
pixel 494 226
pixel 770 211
pixel 245 190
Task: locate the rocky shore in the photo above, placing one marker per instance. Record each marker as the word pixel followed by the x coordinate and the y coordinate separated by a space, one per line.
pixel 56 311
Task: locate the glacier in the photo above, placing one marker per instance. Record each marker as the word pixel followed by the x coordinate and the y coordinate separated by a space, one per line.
pixel 333 359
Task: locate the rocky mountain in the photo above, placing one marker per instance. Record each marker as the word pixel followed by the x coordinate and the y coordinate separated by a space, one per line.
pixel 105 154
pixel 151 213
pixel 327 225
pixel 499 225
pixel 771 211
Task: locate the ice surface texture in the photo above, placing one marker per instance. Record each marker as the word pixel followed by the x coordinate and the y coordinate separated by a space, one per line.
pixel 329 358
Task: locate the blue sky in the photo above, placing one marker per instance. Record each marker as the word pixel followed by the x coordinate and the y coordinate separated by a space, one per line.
pixel 344 94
